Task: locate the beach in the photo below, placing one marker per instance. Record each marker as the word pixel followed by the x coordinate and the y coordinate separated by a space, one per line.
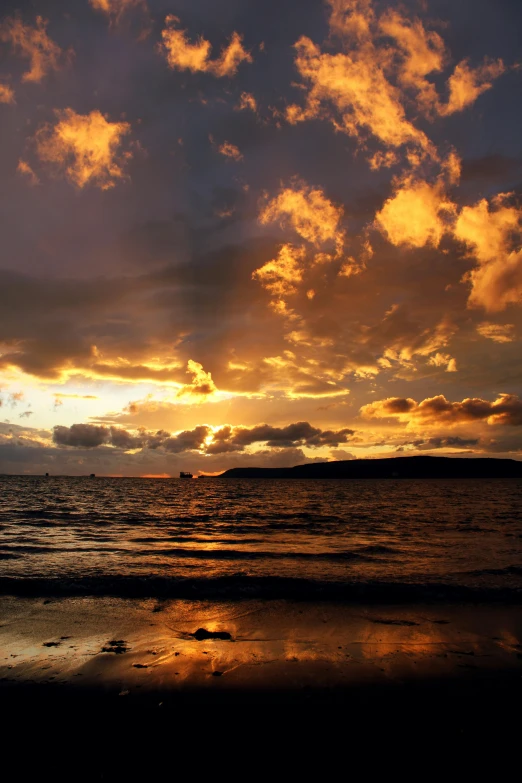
pixel 147 653
pixel 136 614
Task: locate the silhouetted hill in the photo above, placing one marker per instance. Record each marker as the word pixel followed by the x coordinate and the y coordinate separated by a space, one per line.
pixel 391 467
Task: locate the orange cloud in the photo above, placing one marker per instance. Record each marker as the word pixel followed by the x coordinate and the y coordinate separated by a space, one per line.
pixel 466 84
pixel 202 384
pixel 384 63
pixel 493 235
pixel 308 212
pixel 355 86
pixel 33 44
pixel 6 94
pixel 499 333
pixel 25 169
pixel 414 215
pixel 247 101
pixel 282 275
pixel 230 150
pixel 182 55
pixel 505 410
pixel 115 9
pixel 443 360
pixel 412 341
pixel 85 147
pixel 423 53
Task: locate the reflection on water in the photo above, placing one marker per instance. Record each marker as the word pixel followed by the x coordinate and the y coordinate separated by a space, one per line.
pixel 461 532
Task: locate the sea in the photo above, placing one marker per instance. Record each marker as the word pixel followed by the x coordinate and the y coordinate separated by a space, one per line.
pixel 370 540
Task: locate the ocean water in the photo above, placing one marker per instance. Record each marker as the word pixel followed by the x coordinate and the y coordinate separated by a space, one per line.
pixel 387 540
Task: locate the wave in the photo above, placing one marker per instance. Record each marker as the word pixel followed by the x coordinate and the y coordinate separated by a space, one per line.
pixel 241 587
pixel 200 554
pixel 511 570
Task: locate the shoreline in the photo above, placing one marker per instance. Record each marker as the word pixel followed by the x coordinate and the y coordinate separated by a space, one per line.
pixel 116 682
pixel 131 648
pixel 245 587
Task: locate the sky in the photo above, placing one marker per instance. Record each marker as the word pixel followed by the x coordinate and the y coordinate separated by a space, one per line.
pixel 247 232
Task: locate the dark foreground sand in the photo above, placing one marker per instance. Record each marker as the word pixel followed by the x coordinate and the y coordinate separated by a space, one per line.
pixel 132 666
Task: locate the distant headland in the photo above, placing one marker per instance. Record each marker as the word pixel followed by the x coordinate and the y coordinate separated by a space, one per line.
pixel 390 468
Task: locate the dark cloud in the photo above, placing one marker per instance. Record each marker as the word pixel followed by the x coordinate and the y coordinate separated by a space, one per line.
pixel 491 168
pixel 224 439
pixel 84 436
pixel 452 442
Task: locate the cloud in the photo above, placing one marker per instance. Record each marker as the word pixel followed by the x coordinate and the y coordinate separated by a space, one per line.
pixel 188 440
pixel 442 442
pixel 493 236
pixel 86 147
pixel 25 169
pixel 282 275
pixel 87 436
pixel 182 55
pixel 230 150
pixel 423 53
pixel 499 333
pixel 308 212
pixel 443 360
pixel 351 90
pixel 202 384
pixel 12 399
pixel 404 339
pixel 116 9
pixel 202 438
pixel 415 215
pixel 33 44
pixel 299 434
pixel 76 396
pixel 367 88
pixel 247 102
pixel 505 410
pixel 466 84
pixel 6 94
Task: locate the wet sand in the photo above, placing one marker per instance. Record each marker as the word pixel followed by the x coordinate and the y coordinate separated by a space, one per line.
pixel 120 677
pixel 292 650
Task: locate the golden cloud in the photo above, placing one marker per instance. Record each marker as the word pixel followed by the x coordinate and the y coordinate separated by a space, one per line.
pixel 505 410
pixel 6 94
pixel 202 385
pixel 355 86
pixel 466 84
pixel 423 53
pixel 85 147
pixel 384 64
pixel 499 333
pixel 443 360
pixel 33 44
pixel 308 212
pixel 182 55
pixel 230 150
pixel 412 341
pixel 414 215
pixel 282 275
pixel 493 235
